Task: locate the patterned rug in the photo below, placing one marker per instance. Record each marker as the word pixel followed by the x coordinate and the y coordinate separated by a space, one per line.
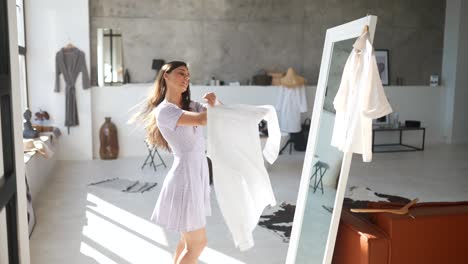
pixel 125 185
pixel 279 219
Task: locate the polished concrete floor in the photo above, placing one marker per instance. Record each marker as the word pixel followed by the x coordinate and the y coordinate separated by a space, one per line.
pixel 78 223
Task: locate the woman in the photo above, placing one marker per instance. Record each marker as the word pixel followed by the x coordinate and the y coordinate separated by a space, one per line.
pixel 174 123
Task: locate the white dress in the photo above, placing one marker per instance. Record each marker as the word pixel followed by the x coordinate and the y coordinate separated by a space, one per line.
pixel 360 98
pixel 240 179
pixel 184 201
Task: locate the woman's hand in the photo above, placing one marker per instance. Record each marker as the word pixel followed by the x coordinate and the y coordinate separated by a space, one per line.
pixel 210 98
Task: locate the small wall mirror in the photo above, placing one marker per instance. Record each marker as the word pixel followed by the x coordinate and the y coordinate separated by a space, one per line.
pixel 325 170
pixel 109 57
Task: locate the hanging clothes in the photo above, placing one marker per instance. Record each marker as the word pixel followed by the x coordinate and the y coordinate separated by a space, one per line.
pixel 360 98
pixel 291 103
pixel 240 179
pixel 70 62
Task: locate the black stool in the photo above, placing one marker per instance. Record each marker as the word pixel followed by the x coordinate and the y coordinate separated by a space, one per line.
pixel 293 137
pixel 152 150
pixel 320 168
pixel 290 142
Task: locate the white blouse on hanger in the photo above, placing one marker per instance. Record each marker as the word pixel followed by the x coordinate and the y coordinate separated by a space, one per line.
pixel 290 104
pixel 360 99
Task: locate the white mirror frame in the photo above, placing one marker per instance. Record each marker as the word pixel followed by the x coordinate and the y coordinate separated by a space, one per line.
pixel 343 32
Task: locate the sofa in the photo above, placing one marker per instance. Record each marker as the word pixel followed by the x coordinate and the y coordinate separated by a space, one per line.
pixel 434 233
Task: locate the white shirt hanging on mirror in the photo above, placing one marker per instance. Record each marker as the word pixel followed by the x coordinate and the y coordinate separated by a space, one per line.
pixel 290 104
pixel 240 179
pixel 360 98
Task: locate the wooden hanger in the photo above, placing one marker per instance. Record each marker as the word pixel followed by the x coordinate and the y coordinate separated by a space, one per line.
pixel 69 46
pixel 365 30
pixel 402 211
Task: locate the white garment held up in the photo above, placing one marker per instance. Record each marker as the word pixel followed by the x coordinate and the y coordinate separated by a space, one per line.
pixel 241 182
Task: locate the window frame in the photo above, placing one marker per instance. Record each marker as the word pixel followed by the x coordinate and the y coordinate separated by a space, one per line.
pixel 22 51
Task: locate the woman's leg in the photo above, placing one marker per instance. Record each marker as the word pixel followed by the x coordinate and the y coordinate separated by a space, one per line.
pixel 180 248
pixel 195 243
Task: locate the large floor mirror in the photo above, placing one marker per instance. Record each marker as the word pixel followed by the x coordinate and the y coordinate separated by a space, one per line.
pixel 325 172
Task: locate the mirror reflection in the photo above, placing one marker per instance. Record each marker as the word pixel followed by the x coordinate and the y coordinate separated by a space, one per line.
pixel 326 166
pixel 110 58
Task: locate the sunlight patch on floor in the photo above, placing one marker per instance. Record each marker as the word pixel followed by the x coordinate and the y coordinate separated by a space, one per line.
pixel 211 256
pixel 91 252
pixel 130 221
pixel 124 235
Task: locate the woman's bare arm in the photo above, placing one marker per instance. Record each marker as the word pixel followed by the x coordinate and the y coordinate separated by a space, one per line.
pixel 192 119
pixel 198 119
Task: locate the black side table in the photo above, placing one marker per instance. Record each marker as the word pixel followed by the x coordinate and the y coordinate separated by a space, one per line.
pixel 405 147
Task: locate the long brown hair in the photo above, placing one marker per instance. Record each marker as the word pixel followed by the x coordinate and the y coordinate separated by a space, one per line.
pixel 156 96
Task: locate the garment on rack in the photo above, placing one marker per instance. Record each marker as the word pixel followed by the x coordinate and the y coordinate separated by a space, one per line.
pixel 291 103
pixel 241 181
pixel 360 98
pixel 70 62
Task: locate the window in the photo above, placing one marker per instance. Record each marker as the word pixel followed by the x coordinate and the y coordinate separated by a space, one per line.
pixel 20 22
pixel 109 59
pixel 22 53
pixel 23 84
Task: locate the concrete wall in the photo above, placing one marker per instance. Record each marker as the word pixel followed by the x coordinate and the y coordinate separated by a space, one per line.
pixel 233 40
pixel 50 25
pixel 340 54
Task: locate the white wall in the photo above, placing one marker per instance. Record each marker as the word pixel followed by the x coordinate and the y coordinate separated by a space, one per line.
pixel 17 115
pixel 50 25
pixel 460 113
pixel 3 231
pixel 422 103
pixel 116 102
pixel 3 238
pixel 39 170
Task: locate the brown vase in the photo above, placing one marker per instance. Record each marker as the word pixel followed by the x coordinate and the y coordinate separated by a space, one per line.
pixel 109 148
